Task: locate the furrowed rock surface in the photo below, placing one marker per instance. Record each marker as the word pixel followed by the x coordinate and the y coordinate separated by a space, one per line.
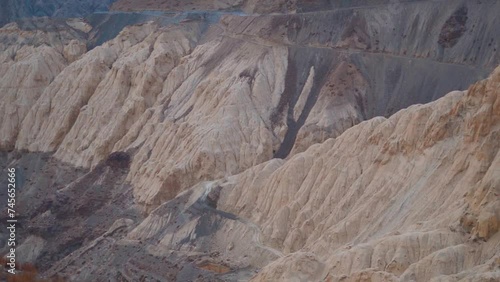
pixel 214 145
pixel 32 56
pixel 411 197
pixel 269 86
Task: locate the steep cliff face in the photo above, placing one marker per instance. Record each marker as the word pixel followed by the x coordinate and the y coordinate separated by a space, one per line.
pixel 221 144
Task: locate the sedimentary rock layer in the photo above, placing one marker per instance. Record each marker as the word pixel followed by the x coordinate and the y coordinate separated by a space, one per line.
pixel 196 102
pixel 223 144
pixel 410 197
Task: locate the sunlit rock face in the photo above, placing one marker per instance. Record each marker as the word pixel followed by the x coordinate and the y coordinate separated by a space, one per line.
pixel 308 140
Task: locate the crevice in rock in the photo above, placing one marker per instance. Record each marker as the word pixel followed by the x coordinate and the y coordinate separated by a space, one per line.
pixel 300 62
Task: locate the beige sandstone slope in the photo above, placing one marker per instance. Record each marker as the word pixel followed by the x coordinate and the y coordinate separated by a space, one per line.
pixel 411 197
pixel 152 93
pixel 93 76
pixel 29 62
pixel 267 86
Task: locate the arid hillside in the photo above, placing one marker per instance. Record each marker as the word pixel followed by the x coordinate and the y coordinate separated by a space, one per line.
pixel 325 141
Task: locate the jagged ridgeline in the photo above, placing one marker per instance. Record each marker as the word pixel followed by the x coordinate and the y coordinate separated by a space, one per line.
pixel 253 140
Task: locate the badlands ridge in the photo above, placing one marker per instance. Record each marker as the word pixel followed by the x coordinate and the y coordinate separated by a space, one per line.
pixel 295 146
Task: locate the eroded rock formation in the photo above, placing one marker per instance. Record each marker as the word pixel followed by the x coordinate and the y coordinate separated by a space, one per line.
pixel 290 144
pixel 410 197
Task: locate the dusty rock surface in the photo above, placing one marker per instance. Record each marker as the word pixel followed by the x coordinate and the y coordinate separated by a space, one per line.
pixel 411 197
pixel 269 86
pixel 32 55
pixel 313 146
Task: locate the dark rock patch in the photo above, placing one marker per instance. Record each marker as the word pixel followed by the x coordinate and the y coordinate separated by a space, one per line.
pixel 213 197
pixel 118 160
pixel 453 28
pixel 300 61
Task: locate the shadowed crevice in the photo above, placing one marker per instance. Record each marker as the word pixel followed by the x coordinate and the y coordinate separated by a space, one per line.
pixel 300 61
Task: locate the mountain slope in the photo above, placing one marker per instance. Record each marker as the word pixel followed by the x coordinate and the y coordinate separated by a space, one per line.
pixel 277 84
pixel 410 197
pixel 215 145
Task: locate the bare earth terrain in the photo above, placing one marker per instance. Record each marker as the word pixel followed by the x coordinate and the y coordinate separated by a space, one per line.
pixel 256 141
